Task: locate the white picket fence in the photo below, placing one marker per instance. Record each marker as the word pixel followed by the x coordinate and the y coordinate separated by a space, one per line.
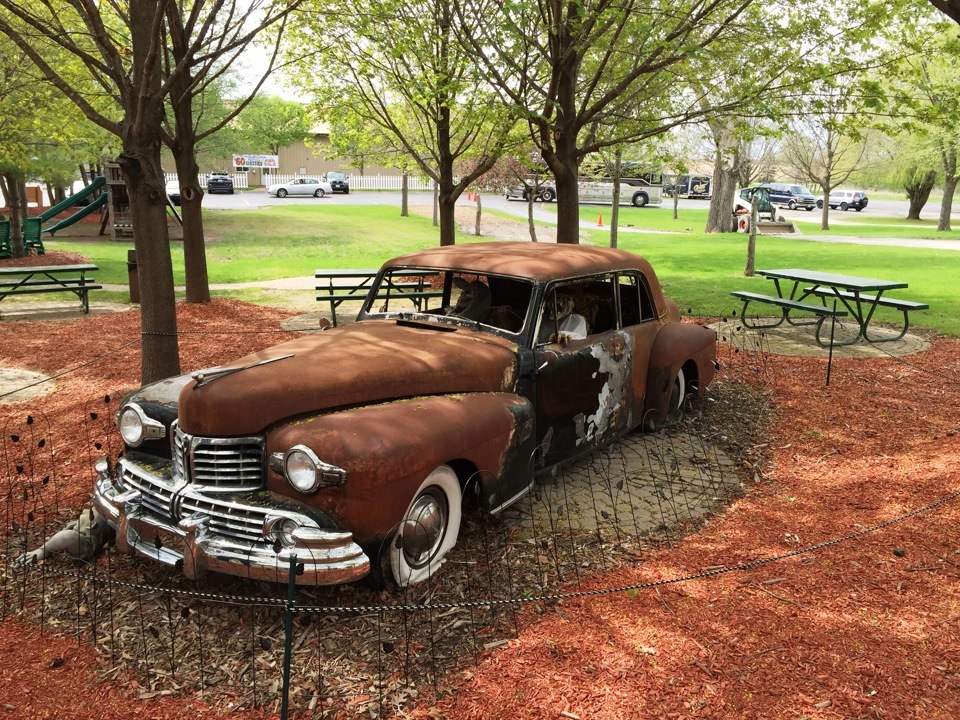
pixel 357 182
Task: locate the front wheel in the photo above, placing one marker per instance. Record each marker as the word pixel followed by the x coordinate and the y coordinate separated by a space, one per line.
pixel 639 200
pixel 548 195
pixel 820 204
pixel 319 192
pixel 810 209
pixel 281 193
pixel 429 528
pixel 844 207
pixel 792 205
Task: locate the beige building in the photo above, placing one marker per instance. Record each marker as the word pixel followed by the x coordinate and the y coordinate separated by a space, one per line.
pixel 307 158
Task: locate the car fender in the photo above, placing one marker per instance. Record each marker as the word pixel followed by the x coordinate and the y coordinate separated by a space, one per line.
pixel 677 345
pixel 388 449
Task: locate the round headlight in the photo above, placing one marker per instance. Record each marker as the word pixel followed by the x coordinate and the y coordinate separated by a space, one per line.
pixel 300 467
pixel 131 425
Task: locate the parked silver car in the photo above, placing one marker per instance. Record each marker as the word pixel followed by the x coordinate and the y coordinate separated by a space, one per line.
pixel 302 187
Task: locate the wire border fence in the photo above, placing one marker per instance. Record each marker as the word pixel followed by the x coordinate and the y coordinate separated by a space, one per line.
pixel 291 649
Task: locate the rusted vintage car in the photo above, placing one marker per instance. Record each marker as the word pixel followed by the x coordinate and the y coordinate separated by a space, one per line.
pixel 355 447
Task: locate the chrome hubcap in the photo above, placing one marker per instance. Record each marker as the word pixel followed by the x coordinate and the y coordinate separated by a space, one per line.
pixel 423 528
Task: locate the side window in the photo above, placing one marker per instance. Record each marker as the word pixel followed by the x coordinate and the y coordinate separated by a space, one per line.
pixel 636 305
pixel 578 309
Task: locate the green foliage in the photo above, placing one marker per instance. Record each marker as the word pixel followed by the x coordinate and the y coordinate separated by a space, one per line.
pixel 269 123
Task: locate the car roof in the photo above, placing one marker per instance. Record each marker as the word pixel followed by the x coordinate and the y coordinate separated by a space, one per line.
pixel 537 261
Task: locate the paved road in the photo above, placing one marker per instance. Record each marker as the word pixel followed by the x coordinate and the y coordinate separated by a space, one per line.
pixel 547 213
pixel 259 198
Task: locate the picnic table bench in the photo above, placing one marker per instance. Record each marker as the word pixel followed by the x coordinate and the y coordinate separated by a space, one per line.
pixel 49 278
pixel 848 290
pixel 337 286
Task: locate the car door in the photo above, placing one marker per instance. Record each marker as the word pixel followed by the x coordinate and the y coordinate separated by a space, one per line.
pixel 584 388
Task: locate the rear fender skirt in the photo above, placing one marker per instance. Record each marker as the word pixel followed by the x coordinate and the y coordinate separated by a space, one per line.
pixel 387 450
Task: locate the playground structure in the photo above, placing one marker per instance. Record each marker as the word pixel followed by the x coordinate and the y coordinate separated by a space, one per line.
pixel 33 227
pixel 112 195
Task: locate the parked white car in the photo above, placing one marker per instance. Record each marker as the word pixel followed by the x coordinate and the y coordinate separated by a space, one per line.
pixel 302 187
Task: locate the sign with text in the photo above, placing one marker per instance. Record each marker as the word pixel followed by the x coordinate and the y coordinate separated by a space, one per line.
pixel 259 161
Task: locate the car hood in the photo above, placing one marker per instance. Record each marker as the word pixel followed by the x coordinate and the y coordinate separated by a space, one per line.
pixel 363 363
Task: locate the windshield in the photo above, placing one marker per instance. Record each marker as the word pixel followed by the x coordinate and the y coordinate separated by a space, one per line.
pixel 800 190
pixel 493 303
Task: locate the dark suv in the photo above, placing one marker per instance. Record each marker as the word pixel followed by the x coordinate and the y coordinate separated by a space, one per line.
pixel 338 182
pixel 220 181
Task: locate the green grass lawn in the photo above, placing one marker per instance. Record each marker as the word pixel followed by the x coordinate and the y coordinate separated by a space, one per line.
pixel 696 269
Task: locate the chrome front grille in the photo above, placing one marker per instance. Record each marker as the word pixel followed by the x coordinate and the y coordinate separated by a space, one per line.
pixel 239 521
pixel 171 500
pixel 222 463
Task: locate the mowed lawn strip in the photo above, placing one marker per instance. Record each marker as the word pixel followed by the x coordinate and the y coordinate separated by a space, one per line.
pixel 696 269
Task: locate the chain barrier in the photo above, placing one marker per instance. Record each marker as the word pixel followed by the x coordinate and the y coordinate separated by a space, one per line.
pixel 246 600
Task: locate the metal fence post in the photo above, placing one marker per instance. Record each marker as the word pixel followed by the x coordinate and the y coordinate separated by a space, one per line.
pixel 288 637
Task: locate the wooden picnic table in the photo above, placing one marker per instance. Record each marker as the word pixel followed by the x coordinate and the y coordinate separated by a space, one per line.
pixel 336 286
pixel 49 278
pixel 795 285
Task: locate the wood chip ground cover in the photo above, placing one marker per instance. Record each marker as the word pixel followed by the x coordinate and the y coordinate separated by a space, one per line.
pixel 866 628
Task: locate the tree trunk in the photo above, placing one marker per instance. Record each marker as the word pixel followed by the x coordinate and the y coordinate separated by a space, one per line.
pixel 476 223
pixel 436 203
pixel 447 198
pixel 750 268
pixel 561 135
pixel 140 132
pixel 720 216
pixel 615 210
pixel 530 224
pixel 946 205
pixel 191 194
pixel 948 157
pixel 140 164
pixel 15 204
pixel 918 191
pixel 405 195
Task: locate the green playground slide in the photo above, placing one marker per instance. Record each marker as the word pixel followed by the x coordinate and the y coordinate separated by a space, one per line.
pixel 33 226
pixel 81 213
pixel 98 182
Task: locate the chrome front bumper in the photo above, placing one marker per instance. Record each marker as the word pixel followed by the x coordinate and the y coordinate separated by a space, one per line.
pixel 323 557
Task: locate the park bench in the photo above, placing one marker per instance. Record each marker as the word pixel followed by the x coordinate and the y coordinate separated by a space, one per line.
pixel 785 305
pixel 337 286
pixel 904 306
pixel 49 279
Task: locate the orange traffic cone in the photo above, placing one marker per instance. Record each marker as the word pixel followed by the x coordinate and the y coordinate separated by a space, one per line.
pixel 600 220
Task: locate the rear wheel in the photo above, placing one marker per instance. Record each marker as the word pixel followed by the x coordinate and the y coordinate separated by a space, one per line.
pixel 792 205
pixel 547 195
pixel 844 206
pixel 281 193
pixel 639 199
pixel 429 528
pixel 820 204
pixel 319 192
pixel 678 394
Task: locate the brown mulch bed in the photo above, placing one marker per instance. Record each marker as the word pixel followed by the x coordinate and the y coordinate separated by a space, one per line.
pixel 54 257
pixel 869 627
